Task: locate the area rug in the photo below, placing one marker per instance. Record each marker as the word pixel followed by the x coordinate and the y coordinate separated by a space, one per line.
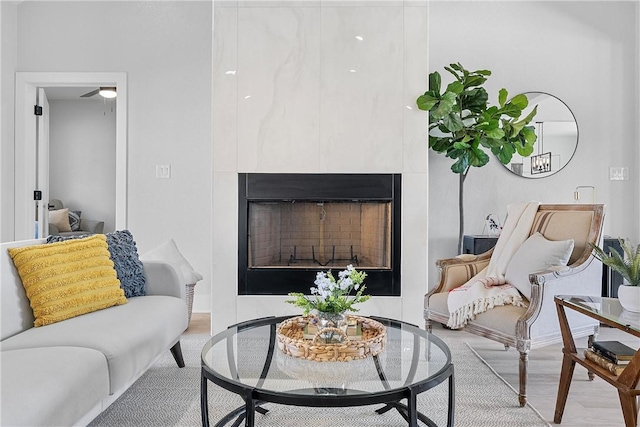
pixel 168 396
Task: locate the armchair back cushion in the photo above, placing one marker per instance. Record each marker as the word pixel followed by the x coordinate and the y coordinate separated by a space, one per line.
pixel 536 254
pixel 557 222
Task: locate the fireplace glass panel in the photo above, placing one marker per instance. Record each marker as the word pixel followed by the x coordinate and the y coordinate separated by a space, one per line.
pixel 310 234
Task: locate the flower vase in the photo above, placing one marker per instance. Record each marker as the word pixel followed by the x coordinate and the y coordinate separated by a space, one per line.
pixel 629 297
pixel 327 325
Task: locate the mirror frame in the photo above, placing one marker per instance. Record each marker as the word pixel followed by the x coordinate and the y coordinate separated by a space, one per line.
pixel 544 158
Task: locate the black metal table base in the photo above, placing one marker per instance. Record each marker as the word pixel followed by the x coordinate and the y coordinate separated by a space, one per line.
pixel 240 415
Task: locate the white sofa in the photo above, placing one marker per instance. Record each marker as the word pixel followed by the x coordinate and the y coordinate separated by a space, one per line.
pixel 66 373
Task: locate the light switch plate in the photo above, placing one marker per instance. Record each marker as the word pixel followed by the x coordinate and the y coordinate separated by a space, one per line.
pixel 163 171
pixel 618 173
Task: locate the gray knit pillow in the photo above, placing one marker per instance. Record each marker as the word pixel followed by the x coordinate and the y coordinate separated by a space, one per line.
pixel 124 255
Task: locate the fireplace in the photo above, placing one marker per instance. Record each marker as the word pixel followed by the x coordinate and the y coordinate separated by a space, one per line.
pixel 294 225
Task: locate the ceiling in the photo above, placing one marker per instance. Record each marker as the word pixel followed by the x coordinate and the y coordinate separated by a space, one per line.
pixel 70 93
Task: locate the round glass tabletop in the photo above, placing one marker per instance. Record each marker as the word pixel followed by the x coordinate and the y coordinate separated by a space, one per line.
pixel 245 359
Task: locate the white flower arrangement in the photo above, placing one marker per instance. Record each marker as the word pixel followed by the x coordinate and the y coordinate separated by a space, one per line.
pixel 331 295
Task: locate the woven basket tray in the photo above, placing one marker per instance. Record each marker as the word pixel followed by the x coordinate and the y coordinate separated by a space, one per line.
pixel 292 343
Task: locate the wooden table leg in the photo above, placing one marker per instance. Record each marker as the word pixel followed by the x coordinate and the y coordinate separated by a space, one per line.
pixel 629 409
pixel 568 364
pixel 566 375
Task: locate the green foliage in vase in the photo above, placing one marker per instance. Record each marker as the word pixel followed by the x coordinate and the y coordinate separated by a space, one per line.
pixel 626 263
pixel 331 295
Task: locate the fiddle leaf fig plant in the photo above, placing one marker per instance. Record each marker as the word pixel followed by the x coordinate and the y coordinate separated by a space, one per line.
pixel 464 127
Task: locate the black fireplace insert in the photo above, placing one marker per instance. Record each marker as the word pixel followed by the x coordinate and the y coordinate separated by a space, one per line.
pixel 294 225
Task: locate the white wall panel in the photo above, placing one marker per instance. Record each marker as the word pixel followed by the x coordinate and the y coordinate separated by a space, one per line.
pixel 278 92
pixel 361 87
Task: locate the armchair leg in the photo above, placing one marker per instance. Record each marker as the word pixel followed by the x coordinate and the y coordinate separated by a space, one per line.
pixel 524 362
pixel 590 341
pixel 428 325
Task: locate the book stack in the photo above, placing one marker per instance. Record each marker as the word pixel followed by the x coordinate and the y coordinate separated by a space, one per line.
pixel 611 355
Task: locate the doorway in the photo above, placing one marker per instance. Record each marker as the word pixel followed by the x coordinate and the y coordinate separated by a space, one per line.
pixel 27 151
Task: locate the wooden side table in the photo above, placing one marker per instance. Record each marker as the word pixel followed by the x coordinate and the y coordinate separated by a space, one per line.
pixel 609 312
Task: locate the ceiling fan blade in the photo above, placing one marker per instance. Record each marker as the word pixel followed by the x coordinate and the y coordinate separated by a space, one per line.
pixel 88 94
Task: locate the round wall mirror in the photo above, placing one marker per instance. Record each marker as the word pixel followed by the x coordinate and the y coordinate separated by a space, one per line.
pixel 557 138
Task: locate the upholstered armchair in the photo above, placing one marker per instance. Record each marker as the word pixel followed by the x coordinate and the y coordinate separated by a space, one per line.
pixel 65 222
pixel 536 325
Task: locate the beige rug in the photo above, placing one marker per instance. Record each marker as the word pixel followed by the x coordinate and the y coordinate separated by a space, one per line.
pixel 169 396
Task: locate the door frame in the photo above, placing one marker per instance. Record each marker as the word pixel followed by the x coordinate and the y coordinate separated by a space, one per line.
pixel 26 82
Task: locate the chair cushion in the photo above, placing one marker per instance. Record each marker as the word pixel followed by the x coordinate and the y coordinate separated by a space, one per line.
pixel 60 219
pixel 67 279
pixel 501 318
pixel 534 255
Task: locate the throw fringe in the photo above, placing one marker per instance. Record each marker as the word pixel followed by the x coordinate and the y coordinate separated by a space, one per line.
pixel 467 312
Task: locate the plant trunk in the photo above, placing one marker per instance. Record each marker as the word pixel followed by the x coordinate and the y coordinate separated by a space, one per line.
pixel 463 176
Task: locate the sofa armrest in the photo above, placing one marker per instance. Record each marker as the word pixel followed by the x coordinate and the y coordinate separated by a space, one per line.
pixel 163 279
pixel 91 226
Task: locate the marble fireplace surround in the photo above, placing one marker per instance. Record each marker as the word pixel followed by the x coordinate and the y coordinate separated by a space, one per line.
pixel 318 87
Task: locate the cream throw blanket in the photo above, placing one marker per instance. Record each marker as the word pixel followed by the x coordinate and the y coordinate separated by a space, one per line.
pixel 488 288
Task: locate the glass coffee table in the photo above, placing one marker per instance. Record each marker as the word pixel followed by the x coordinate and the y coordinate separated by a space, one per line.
pixel 245 360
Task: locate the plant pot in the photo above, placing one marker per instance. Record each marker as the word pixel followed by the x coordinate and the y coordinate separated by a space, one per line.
pixel 629 297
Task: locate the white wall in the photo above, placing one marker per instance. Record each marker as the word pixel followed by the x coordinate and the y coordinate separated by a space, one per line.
pixel 82 158
pixel 165 49
pixel 585 53
pixel 295 90
pixel 8 61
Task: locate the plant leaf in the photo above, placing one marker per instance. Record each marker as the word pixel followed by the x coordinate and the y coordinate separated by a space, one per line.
pixel 434 82
pixel 427 101
pixel 443 108
pixel 502 97
pixel 455 87
pixel 453 122
pixel 521 101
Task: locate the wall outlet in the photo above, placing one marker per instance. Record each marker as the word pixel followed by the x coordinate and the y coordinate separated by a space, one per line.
pixel 163 171
pixel 618 173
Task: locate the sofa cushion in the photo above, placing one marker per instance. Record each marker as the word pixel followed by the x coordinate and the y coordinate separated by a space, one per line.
pixel 74 220
pixel 130 336
pixel 60 218
pixel 51 386
pixel 536 254
pixel 67 279
pixel 127 263
pixel 168 252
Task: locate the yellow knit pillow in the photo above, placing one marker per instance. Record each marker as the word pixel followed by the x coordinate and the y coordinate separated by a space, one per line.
pixel 67 279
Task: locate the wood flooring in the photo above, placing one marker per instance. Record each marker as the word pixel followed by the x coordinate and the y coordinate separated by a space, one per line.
pixel 590 403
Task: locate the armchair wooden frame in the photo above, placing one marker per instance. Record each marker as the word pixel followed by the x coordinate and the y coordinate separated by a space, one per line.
pixel 536 325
